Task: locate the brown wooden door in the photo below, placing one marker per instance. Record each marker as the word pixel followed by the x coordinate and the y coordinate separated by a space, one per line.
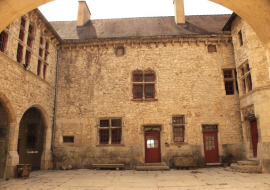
pixel 254 136
pixel 152 147
pixel 210 147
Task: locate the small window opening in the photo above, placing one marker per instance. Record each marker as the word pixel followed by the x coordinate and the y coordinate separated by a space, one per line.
pixel 44 71
pixel 38 67
pixel 27 58
pixel 41 41
pixel 68 139
pixel 120 51
pixel 212 48
pixel 21 35
pixel 23 22
pixel 19 53
pixel 40 53
pixel 240 38
pixel 3 41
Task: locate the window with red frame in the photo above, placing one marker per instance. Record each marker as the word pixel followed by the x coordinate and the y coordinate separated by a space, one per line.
pixel 246 81
pixel 3 41
pixel 41 41
pixel 46 57
pixel 47 46
pixel 44 71
pixel 21 35
pixel 143 86
pixel 110 131
pixel 230 82
pixel 31 30
pixel 178 123
pixel 40 52
pixel 27 58
pixel 23 22
pixel 19 53
pixel 29 41
pixel 38 67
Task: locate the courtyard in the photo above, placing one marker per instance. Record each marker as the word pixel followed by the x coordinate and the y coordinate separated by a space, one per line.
pixel 207 178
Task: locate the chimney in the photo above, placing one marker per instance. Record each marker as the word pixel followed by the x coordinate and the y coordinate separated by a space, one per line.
pixel 83 14
pixel 179 12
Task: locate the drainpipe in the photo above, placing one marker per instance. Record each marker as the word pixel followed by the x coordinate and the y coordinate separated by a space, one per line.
pixel 55 108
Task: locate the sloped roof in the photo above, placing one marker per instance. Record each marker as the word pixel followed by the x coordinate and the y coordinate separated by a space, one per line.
pixel 140 27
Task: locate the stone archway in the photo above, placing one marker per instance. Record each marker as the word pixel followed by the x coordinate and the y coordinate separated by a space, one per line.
pixel 33 143
pixel 7 130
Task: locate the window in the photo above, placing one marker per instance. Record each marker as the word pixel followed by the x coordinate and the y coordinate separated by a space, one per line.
pixel 47 46
pixel 38 67
pixel 44 71
pixel 27 58
pixel 68 139
pixel 29 41
pixel 245 79
pixel 21 35
pixel 212 48
pixel 110 131
pixel 31 30
pixel 120 51
pixel 143 84
pixel 23 22
pixel 40 52
pixel 240 37
pixel 178 123
pixel 41 41
pixel 46 56
pixel 229 81
pixel 3 41
pixel 19 53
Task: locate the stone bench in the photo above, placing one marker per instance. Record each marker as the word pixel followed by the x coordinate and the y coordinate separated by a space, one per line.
pixel 116 166
pixel 184 162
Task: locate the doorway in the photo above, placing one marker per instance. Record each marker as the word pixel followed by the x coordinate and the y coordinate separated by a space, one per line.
pixel 3 140
pixel 210 140
pixel 254 136
pixel 152 147
pixel 31 137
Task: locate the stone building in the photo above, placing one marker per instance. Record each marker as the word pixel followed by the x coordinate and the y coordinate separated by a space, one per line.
pixel 131 91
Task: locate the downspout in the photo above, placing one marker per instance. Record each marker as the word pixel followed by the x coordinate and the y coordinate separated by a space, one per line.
pixel 55 108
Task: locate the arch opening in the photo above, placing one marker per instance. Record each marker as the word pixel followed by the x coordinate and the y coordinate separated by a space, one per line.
pixel 3 139
pixel 31 138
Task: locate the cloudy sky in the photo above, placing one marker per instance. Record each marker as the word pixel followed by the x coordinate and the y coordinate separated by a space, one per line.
pixel 64 10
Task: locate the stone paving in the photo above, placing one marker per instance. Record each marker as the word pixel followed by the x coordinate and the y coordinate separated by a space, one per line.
pixel 207 179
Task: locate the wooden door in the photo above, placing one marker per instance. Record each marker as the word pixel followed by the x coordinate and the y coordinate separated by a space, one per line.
pixel 152 147
pixel 210 147
pixel 254 136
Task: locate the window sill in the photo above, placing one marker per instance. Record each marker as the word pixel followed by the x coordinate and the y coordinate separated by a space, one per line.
pixel 145 100
pixel 109 145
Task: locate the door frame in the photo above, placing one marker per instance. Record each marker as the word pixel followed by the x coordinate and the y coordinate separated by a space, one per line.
pixel 218 139
pixel 253 152
pixel 155 128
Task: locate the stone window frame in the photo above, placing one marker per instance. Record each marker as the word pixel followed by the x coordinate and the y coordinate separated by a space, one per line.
pixel 245 78
pixel 175 125
pixel 231 80
pixel 110 129
pixel 143 83
pixel 44 53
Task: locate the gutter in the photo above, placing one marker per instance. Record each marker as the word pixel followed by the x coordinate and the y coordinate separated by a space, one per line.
pixel 55 109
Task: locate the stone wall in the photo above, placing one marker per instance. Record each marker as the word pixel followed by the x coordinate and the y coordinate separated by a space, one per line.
pixel 23 88
pixel 94 83
pixel 256 101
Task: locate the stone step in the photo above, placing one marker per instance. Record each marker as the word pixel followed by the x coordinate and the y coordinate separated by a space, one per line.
pixel 152 168
pixel 245 168
pixel 155 164
pixel 247 163
pixel 254 160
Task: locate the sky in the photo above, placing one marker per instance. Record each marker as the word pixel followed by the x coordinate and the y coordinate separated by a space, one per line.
pixel 66 10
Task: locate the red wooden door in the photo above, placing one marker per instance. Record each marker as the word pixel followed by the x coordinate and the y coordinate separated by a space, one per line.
pixel 152 147
pixel 210 147
pixel 254 136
